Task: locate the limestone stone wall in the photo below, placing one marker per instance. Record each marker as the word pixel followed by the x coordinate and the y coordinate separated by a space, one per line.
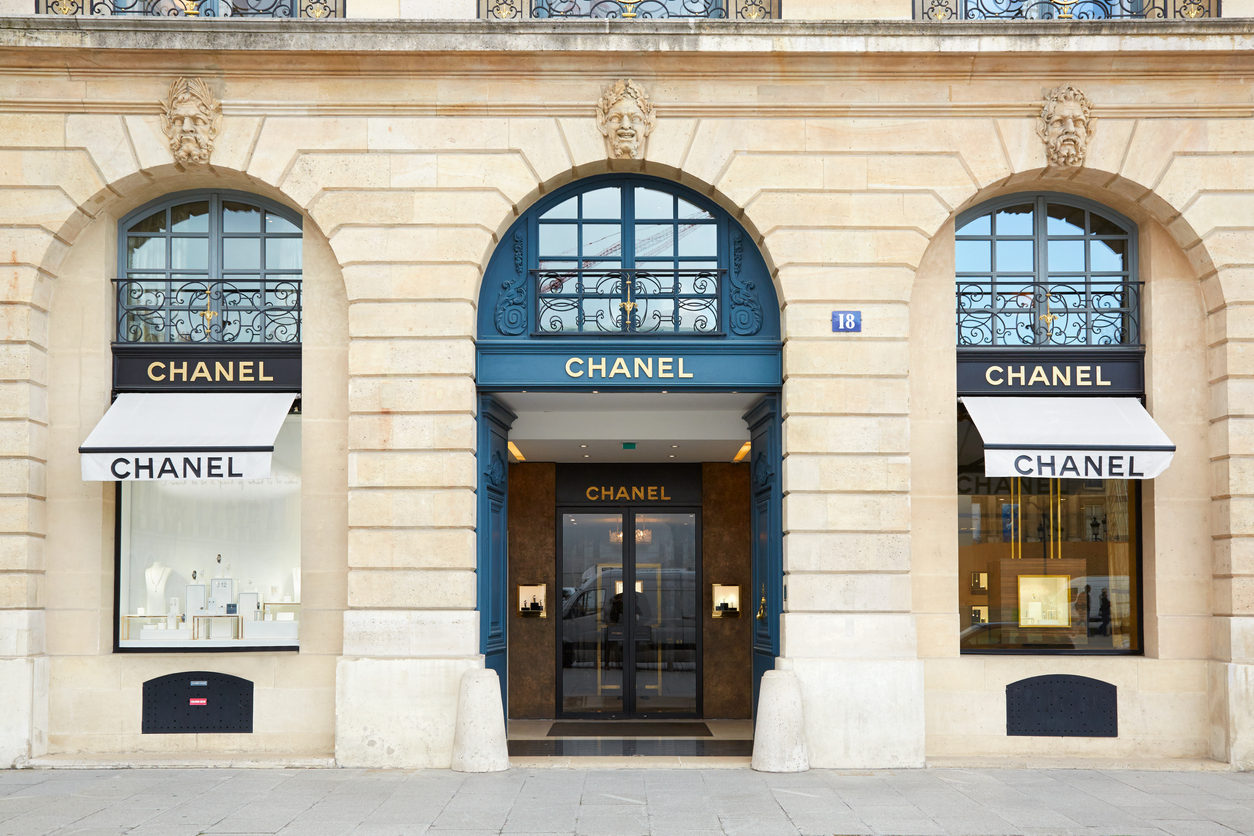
pixel 408 162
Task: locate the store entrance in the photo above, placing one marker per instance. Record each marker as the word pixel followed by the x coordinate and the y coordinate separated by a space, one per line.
pixel 629 633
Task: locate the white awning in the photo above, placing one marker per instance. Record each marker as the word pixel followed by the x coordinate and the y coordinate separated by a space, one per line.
pixel 185 435
pixel 1070 438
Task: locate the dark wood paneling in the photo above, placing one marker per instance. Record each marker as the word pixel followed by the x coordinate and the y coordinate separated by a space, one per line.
pixel 725 558
pixel 532 534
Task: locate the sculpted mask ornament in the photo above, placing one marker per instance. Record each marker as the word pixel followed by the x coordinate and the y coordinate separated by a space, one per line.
pixel 625 119
pixel 191 117
pixel 1065 126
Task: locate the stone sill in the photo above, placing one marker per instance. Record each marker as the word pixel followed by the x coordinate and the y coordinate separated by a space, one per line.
pixel 182 760
pixel 1136 764
pixel 619 37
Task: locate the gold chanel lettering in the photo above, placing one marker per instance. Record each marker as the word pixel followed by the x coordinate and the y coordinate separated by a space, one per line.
pixel 1044 376
pixel 637 493
pixel 162 370
pixel 611 367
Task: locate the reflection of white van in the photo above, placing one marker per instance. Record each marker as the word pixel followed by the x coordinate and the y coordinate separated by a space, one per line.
pixel 666 624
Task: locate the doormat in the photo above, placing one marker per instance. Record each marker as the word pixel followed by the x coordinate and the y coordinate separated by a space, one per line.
pixel 627 728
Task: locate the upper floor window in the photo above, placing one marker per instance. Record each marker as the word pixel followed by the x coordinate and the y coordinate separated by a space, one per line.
pixel 629 9
pixel 306 9
pixel 948 10
pixel 209 267
pixel 1046 270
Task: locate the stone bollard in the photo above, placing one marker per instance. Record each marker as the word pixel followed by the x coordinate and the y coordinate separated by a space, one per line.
pixel 479 739
pixel 779 742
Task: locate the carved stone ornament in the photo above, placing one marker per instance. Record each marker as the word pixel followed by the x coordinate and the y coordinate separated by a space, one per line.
pixel 1065 126
pixel 191 117
pixel 625 119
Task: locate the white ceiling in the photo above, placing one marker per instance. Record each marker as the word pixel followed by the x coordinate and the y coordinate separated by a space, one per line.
pixel 588 427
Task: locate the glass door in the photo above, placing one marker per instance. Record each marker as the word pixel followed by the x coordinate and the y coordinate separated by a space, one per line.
pixel 630 632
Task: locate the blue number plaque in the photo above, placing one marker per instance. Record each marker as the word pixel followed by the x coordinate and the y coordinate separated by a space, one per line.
pixel 846 321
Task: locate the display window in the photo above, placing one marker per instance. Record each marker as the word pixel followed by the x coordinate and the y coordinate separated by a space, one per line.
pixel 1045 564
pixel 213 563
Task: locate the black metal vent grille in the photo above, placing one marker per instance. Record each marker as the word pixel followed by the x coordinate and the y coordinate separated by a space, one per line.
pixel 1062 705
pixel 198 702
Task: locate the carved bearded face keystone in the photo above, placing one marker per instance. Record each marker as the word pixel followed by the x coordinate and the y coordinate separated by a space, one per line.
pixel 191 117
pixel 625 119
pixel 1065 126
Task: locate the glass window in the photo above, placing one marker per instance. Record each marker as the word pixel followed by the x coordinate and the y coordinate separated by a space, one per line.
pixel 213 564
pixel 628 259
pixel 1046 271
pixel 1045 564
pixel 208 269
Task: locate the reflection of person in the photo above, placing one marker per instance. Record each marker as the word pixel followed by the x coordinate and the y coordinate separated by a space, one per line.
pixel 1080 609
pixel 1103 613
pixel 616 609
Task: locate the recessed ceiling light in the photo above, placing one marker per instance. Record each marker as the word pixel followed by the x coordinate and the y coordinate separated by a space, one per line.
pixel 744 451
pixel 583 445
pixel 674 446
pixel 672 455
pixel 585 455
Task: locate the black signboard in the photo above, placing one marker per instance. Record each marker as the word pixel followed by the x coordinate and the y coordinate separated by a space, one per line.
pixel 629 484
pixel 1051 371
pixel 206 367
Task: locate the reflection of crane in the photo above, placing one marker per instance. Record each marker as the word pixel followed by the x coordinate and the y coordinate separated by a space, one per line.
pixel 653 246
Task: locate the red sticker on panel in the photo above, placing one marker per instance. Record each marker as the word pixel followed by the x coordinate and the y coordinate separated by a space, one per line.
pixel 198 701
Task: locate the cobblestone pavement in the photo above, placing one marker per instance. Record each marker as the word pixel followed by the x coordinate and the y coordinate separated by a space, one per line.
pixel 684 802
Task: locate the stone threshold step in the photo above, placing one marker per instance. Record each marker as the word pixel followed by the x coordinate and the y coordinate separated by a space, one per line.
pixel 627 762
pixel 1131 764
pixel 183 760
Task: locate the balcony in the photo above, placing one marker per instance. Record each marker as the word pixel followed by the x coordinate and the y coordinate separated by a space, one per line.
pixel 628 302
pixel 198 310
pixel 629 9
pixel 304 9
pixel 945 11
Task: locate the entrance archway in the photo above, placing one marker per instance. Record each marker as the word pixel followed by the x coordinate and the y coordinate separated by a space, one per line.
pixel 625 299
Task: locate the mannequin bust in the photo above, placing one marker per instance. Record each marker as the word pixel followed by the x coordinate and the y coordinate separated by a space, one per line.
pixel 155 577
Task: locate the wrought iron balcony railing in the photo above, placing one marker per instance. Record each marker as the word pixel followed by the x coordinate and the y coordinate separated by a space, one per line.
pixel 628 9
pixel 625 302
pixel 950 10
pixel 306 9
pixel 1060 312
pixel 202 311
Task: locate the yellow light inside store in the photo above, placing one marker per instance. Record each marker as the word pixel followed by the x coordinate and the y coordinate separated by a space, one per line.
pixel 514 451
pixel 744 451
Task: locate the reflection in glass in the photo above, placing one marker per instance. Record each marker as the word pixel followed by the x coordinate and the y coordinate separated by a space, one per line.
pixel 558 240
pixel 190 217
pixel 1064 220
pixel 973 256
pixel 1015 220
pixel 240 217
pixel 654 205
pixel 283 253
pixel 153 223
pixel 276 225
pixel 592 652
pixel 666 621
pixel 1066 257
pixel 189 253
pixel 1059 556
pixel 145 253
pixel 603 204
pixel 600 240
pixel 653 240
pixel 241 253
pixel 698 240
pixel 1014 257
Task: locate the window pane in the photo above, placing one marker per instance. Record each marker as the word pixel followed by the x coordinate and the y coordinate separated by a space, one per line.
pixel 1014 257
pixel 177 525
pixel 283 253
pixel 189 253
pixel 279 224
pixel 654 205
pixel 600 240
pixel 191 217
pixel 973 256
pixel 1066 256
pixel 700 240
pixel 1015 220
pixel 240 217
pixel 982 225
pixel 1064 220
pixel 1108 256
pixel 145 253
pixel 1101 226
pixel 153 223
pixel 604 204
pixel 1044 564
pixel 558 240
pixel 565 209
pixel 689 212
pixel 241 253
pixel 654 240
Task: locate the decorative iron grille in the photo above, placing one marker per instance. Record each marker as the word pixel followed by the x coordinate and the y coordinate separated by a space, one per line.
pixel 1062 313
pixel 202 311
pixel 617 302
pixel 629 9
pixel 950 10
pixel 306 9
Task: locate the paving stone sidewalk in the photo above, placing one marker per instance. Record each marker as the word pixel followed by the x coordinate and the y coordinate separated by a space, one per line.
pixel 635 802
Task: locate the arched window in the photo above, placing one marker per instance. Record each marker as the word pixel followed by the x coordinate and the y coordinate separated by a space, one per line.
pixel 1046 270
pixel 209 267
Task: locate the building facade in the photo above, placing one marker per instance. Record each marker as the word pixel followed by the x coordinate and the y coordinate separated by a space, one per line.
pixel 631 359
